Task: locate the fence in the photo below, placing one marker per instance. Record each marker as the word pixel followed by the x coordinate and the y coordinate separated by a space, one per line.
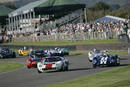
pixel 72 37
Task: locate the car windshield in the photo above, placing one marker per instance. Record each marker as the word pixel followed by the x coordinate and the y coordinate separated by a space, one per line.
pixel 97 51
pixel 53 59
pixel 5 50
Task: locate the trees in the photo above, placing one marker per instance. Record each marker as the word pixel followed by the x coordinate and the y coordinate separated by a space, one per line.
pixel 11 6
pixel 98 10
pixel 101 9
pixel 100 6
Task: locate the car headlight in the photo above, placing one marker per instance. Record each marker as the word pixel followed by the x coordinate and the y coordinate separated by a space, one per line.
pixel 58 63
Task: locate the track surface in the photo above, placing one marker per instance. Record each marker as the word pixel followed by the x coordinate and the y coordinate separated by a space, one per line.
pixel 79 67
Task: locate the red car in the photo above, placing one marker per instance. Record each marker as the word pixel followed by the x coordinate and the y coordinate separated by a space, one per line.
pixel 36 56
pixel 32 62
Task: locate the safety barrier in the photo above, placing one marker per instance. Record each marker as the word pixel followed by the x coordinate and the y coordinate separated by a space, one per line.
pixel 72 37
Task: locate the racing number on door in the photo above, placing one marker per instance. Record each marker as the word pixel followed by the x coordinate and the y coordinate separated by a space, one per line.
pixel 103 60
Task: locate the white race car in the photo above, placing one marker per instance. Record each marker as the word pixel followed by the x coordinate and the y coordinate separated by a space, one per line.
pixel 53 63
pixel 95 53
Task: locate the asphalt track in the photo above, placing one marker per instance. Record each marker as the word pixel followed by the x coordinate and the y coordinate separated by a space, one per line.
pixel 79 67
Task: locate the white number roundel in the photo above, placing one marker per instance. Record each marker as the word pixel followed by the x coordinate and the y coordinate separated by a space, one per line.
pixel 103 60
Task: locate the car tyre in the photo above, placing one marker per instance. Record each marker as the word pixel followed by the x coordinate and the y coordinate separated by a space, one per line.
pixel 90 60
pixel 28 67
pixel 117 64
pixel 1 56
pixel 39 71
pixel 14 56
pixel 94 66
pixel 66 68
pixel 62 68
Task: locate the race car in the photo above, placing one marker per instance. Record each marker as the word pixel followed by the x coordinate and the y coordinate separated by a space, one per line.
pixel 32 62
pixel 53 52
pixel 7 53
pixel 24 51
pixel 106 60
pixel 36 56
pixel 38 53
pixel 53 63
pixel 94 53
pixel 63 51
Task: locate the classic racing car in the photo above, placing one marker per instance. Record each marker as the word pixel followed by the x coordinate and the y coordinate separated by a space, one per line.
pixel 36 56
pixel 57 52
pixel 24 51
pixel 53 63
pixel 63 51
pixel 7 53
pixel 53 52
pixel 94 53
pixel 32 62
pixel 38 53
pixel 106 60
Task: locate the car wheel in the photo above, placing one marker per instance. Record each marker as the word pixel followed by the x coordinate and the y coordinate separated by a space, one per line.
pixel 62 68
pixel 66 68
pixel 90 60
pixel 14 56
pixel 1 56
pixel 28 67
pixel 118 62
pixel 94 66
pixel 94 62
pixel 35 66
pixel 39 71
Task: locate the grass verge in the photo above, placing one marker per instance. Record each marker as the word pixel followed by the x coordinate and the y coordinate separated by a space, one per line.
pixel 62 43
pixel 118 77
pixel 125 53
pixel 79 52
pixel 7 66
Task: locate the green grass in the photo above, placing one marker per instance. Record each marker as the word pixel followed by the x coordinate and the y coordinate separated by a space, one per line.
pixel 78 52
pixel 7 66
pixel 15 50
pixel 119 77
pixel 62 43
pixel 122 53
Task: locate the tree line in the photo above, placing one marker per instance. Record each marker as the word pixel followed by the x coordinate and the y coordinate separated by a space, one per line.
pixel 101 9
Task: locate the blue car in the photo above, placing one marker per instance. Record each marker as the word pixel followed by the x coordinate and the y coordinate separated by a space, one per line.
pixel 106 60
pixel 37 53
pixel 53 52
pixel 7 53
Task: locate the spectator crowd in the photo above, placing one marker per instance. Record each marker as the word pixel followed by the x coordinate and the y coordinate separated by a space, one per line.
pixel 77 31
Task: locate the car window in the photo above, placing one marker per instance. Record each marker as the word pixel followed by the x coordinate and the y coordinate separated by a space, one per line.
pixel 53 59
